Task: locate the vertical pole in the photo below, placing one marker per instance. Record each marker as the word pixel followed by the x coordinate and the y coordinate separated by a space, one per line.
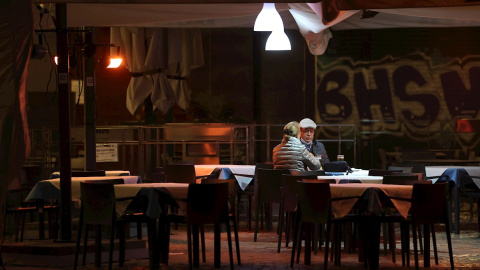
pixel 257 91
pixel 309 100
pixel 90 108
pixel 64 123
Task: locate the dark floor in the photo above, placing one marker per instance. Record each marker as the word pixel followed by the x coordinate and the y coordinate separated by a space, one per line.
pixel 255 255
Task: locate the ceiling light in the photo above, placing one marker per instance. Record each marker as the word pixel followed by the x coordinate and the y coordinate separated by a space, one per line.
pixel 268 19
pixel 278 41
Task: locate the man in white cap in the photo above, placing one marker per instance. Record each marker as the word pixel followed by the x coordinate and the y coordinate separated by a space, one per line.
pixel 307 127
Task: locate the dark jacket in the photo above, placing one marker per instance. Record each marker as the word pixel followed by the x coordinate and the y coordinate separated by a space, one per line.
pixel 318 149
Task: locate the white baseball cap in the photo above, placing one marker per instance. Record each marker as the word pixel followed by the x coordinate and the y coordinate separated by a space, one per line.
pixel 307 123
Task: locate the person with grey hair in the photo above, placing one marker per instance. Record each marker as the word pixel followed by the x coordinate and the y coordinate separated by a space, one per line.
pixel 307 127
pixel 291 154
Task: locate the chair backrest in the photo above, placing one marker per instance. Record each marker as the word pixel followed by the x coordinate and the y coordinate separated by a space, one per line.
pixel 180 173
pixel 289 189
pixel 232 189
pixel 88 173
pixel 420 176
pixel 33 174
pixel 429 203
pixel 375 172
pixel 314 202
pixel 117 181
pixel 404 169
pixel 402 180
pixel 269 184
pixel 305 173
pixel 98 203
pixel 207 203
pixel 262 166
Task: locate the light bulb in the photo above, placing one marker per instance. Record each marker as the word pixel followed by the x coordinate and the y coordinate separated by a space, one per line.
pixel 278 41
pixel 115 62
pixel 268 19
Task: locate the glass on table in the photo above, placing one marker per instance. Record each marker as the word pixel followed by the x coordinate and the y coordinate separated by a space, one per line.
pixel 340 157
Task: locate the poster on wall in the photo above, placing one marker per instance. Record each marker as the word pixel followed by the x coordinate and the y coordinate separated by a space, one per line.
pixel 107 152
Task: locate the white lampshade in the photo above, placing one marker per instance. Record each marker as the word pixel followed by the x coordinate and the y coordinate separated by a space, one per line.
pixel 278 41
pixel 268 19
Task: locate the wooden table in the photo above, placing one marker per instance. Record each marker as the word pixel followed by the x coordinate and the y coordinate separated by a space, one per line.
pixel 228 171
pixel 362 178
pixel 369 224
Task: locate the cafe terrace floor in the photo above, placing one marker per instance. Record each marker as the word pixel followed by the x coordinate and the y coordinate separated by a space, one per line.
pixel 254 255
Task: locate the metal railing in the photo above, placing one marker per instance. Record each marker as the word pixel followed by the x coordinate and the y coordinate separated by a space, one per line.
pixel 141 149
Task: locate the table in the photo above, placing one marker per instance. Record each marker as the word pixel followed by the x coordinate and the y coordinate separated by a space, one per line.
pixel 361 178
pixel 178 191
pixel 455 173
pixel 438 170
pixel 107 173
pixel 50 189
pixel 375 204
pixel 357 174
pixel 227 171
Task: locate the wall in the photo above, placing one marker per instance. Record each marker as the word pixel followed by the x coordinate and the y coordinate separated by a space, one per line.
pixel 401 88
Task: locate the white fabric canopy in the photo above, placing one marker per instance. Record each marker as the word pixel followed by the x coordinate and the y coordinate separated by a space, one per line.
pixel 154 55
pixel 184 47
pixel 305 17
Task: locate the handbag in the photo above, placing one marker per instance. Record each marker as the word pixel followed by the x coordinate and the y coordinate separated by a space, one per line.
pixel 337 166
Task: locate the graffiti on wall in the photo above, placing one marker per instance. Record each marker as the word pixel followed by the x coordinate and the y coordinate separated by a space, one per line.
pixel 408 96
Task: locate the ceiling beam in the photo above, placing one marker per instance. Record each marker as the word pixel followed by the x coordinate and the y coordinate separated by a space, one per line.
pixel 390 4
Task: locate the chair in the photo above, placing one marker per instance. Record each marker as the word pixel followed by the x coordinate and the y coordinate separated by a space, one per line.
pixel 182 173
pixel 88 173
pixel 429 207
pixel 288 205
pixel 19 208
pixel 420 176
pixel 375 172
pixel 267 191
pixel 314 207
pixel 404 169
pixel 469 190
pixel 206 204
pixel 232 196
pixel 159 175
pixel 383 159
pixel 98 207
pixel 250 190
pixel 400 179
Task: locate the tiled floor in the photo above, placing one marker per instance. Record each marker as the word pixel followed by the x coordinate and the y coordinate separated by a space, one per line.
pixel 263 255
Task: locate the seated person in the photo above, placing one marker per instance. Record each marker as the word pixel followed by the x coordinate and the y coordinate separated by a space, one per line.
pixel 291 154
pixel 307 126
